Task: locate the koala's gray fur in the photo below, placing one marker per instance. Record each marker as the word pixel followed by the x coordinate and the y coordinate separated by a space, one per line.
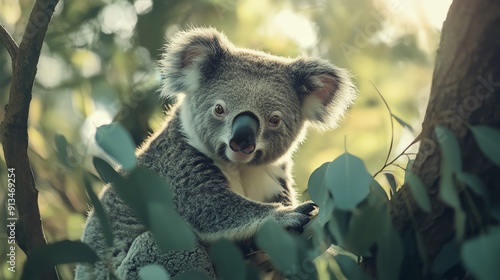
pixel 221 193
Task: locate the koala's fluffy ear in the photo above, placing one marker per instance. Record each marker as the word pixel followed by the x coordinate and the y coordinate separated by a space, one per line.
pixel 326 91
pixel 187 55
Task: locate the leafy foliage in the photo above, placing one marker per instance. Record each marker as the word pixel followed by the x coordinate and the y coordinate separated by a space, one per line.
pixel 352 204
pixel 228 260
pixel 353 217
pixel 153 271
pixel 481 255
pixel 60 252
pixel 117 143
pixel 417 188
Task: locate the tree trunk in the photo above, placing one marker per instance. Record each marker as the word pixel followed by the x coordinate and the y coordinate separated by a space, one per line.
pixel 465 91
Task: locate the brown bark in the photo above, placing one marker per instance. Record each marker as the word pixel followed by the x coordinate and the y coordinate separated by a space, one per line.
pixel 14 128
pixel 465 90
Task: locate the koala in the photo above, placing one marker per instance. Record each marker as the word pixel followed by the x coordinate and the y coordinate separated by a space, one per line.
pixel 225 149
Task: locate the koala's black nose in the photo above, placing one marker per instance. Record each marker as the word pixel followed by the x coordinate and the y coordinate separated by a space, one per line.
pixel 244 132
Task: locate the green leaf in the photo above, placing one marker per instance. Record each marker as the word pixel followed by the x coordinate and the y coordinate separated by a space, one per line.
pixel 228 260
pixel 61 148
pixel 141 187
pixel 107 173
pixel 170 231
pixel 474 183
pixel 422 252
pixel 487 139
pixel 191 275
pixel 389 253
pixel 101 214
pixel 367 218
pixel 338 226
pixel 448 257
pixel 377 192
pixel 117 143
pixel 318 192
pixel 418 190
pixel 350 268
pixel 448 192
pixel 451 163
pixel 403 123
pixel 153 271
pixel 392 182
pixel 279 245
pixel 252 273
pixel 450 149
pixel 348 180
pixel 480 255
pixel 150 197
pixel 61 252
pixel 460 219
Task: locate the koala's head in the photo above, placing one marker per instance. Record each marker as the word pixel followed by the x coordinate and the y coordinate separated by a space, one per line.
pixel 245 106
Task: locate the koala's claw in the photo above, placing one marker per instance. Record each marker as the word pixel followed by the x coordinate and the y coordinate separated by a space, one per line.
pixel 308 208
pixel 294 219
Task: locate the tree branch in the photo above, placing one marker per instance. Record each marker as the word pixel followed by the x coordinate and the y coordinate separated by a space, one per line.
pixel 14 128
pixel 8 43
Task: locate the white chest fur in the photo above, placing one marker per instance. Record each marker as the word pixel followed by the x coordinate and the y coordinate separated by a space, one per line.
pixel 256 183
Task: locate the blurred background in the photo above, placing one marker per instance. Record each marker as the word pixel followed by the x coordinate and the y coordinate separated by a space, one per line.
pixel 98 65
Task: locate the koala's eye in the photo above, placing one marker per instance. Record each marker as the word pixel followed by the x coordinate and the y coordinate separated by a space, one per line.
pixel 274 120
pixel 219 110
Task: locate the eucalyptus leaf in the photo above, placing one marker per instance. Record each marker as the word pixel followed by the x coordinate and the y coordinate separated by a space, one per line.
pixel 318 192
pixel 348 180
pixel 377 192
pixel 474 183
pixel 338 226
pixel 170 231
pixel 61 252
pixel 460 219
pixel 61 148
pixel 101 214
pixel 367 218
pixel 150 197
pixel 106 171
pixel 450 149
pixel 487 139
pixel 115 140
pixel 403 123
pixel 390 252
pixel 141 187
pixel 448 257
pixel 153 271
pixel 350 268
pixel 422 252
pixel 392 182
pixel 228 260
pixel 418 190
pixel 447 190
pixel 480 255
pixel 279 245
pixel 451 163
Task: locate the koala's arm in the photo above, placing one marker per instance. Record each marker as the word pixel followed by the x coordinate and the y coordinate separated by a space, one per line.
pixel 201 193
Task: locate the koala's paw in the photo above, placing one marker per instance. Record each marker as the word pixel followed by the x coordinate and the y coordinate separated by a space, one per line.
pixel 295 219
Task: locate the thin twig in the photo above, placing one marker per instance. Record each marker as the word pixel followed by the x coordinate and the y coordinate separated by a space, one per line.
pixel 398 156
pixel 392 123
pixel 9 43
